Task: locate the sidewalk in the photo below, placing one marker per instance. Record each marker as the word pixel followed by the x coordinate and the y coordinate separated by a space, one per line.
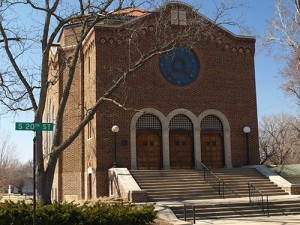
pixel 273 220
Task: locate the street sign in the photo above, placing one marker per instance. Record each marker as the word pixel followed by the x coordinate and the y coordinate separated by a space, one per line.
pixel 34 126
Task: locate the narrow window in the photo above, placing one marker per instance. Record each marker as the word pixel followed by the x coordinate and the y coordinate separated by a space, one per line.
pixel 90 186
pixel 89 65
pixel 174 17
pixel 89 130
pixel 178 17
pixel 182 18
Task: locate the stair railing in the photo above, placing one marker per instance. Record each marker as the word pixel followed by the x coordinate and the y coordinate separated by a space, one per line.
pixel 261 200
pixel 186 209
pixel 114 186
pixel 217 183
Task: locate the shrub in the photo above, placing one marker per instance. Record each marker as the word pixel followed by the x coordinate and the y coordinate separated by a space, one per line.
pixel 99 213
pixel 15 213
pixel 119 213
pixel 59 214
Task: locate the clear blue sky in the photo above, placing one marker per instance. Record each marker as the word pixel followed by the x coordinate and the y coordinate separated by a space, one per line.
pixel 270 99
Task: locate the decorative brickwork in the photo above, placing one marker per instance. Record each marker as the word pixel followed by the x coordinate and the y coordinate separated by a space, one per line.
pixel 292 189
pixel 138 196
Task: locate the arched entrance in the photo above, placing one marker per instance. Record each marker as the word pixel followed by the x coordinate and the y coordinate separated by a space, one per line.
pixel 181 143
pixel 212 150
pixel 148 143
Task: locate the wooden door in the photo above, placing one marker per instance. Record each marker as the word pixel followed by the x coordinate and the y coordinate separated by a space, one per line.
pixel 212 150
pixel 181 151
pixel 149 151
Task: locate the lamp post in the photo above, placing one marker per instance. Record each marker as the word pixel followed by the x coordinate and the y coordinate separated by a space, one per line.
pixel 247 130
pixel 115 129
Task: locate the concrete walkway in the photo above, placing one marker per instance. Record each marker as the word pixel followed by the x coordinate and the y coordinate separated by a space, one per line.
pixel 166 214
pixel 273 220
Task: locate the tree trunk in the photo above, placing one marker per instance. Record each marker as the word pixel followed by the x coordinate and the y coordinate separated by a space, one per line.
pixel 45 182
pixel 44 174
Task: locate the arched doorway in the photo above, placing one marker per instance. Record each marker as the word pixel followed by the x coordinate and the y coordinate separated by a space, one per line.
pixel 181 143
pixel 212 147
pixel 148 143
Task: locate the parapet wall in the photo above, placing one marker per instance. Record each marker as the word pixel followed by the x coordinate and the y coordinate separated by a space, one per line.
pixel 122 185
pixel 292 189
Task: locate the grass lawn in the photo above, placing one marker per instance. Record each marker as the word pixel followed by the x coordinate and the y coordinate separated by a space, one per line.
pixel 289 172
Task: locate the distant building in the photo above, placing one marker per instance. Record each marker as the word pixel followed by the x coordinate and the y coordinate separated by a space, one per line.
pixel 192 103
pixel 26 190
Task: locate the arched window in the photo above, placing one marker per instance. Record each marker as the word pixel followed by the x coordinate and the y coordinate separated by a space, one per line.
pixel 148 121
pixel 181 122
pixel 211 123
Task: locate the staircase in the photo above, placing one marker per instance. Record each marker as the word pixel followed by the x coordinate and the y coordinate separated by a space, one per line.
pixel 180 185
pixel 189 186
pixel 236 182
pixel 173 185
pixel 205 211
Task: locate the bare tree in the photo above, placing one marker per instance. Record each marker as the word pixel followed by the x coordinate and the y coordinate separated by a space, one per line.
pixel 9 162
pixel 284 32
pixel 22 176
pixel 25 76
pixel 279 139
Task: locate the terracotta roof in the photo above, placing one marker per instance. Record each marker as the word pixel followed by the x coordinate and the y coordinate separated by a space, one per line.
pixel 131 11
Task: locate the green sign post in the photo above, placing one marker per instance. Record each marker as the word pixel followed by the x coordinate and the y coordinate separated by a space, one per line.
pixel 34 126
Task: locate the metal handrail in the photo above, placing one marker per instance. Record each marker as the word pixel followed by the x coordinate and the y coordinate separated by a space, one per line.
pixel 116 184
pixel 209 175
pixel 185 209
pixel 256 197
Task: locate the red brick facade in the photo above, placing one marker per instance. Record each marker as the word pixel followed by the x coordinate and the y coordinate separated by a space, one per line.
pixel 224 88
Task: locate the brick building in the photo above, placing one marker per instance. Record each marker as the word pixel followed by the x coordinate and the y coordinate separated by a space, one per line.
pixel 183 106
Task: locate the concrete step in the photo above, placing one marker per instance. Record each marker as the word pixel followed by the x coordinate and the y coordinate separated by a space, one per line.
pixel 236 210
pixel 190 185
pixel 173 185
pixel 238 179
pixel 162 185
